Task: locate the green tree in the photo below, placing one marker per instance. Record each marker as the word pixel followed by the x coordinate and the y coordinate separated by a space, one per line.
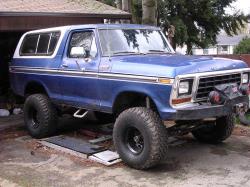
pixel 137 11
pixel 198 22
pixel 243 47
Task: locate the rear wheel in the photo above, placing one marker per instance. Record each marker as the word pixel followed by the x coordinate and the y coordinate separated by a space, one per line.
pixel 40 116
pixel 140 138
pixel 217 131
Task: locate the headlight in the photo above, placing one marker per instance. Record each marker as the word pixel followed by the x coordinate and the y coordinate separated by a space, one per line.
pixel 245 78
pixel 185 87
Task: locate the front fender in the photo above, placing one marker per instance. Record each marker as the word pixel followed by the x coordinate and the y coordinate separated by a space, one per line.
pixel 159 93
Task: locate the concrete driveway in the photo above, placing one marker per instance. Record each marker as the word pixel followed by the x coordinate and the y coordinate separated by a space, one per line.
pixel 27 163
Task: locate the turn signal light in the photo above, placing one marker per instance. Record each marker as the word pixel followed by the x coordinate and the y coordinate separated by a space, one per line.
pixel 181 100
pixel 165 81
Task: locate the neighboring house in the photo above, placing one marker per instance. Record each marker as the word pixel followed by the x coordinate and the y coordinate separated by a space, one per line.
pixel 225 45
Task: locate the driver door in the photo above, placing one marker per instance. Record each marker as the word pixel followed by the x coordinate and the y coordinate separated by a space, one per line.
pixel 79 69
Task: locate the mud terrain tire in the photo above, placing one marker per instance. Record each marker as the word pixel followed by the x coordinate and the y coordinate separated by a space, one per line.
pixel 40 116
pixel 217 132
pixel 140 138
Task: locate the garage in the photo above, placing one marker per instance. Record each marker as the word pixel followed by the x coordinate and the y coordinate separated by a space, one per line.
pixel 19 16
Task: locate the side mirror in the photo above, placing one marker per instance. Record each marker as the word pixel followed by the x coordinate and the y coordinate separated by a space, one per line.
pixel 78 52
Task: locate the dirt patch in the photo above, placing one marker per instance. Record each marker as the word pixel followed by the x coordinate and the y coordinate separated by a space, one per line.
pixel 219 151
pixel 12 133
pixel 240 130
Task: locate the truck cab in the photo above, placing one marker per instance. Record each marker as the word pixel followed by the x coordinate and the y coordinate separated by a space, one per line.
pixel 129 74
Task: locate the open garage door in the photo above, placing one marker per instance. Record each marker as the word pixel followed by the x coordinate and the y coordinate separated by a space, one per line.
pixel 8 42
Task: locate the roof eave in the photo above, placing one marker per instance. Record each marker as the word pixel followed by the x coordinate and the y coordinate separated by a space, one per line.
pixel 59 14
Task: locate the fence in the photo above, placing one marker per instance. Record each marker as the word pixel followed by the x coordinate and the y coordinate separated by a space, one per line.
pixel 245 57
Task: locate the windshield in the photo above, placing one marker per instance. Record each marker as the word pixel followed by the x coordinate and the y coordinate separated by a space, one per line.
pixel 126 41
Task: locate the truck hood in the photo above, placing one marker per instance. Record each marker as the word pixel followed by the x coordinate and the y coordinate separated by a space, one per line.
pixel 171 65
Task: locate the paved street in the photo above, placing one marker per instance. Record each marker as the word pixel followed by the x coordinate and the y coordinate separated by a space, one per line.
pixel 27 163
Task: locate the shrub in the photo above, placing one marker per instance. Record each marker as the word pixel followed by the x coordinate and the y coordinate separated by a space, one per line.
pixel 243 47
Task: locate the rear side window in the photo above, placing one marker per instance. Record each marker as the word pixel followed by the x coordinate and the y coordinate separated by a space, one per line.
pixel 42 44
pixel 29 44
pixel 53 41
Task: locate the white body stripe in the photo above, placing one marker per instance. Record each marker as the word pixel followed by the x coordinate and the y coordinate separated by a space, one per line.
pixel 87 74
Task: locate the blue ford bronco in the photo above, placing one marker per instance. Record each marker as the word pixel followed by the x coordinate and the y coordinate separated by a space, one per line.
pixel 131 75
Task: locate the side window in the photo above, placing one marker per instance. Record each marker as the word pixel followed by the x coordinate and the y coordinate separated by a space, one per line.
pixel 53 41
pixel 29 44
pixel 86 40
pixel 42 47
pixel 42 44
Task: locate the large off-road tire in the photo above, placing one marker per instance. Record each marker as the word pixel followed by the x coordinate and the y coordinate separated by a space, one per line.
pixel 140 138
pixel 104 118
pixel 40 116
pixel 217 131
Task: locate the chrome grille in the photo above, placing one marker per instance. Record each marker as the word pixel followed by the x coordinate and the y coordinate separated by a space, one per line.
pixel 207 84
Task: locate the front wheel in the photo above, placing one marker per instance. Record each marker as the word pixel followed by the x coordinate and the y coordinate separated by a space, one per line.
pixel 40 116
pixel 217 131
pixel 140 138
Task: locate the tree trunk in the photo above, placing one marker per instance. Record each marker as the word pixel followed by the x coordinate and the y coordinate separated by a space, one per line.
pixel 119 4
pixel 189 49
pixel 126 5
pixel 149 12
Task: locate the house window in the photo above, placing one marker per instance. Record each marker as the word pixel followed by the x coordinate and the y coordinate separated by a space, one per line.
pixel 205 52
pixel 224 48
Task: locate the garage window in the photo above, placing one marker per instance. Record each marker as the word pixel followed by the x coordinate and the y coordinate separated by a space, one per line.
pixel 42 44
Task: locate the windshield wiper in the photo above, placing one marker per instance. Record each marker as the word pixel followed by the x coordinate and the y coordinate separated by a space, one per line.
pixel 159 51
pixel 125 52
pixel 140 53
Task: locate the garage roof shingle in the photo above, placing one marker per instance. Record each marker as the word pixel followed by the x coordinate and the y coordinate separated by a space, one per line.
pixel 58 6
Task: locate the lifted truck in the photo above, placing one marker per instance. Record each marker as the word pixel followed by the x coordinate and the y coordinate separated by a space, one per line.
pixel 129 73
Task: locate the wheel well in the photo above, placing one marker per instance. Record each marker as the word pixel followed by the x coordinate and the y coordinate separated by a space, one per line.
pixel 127 100
pixel 33 88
